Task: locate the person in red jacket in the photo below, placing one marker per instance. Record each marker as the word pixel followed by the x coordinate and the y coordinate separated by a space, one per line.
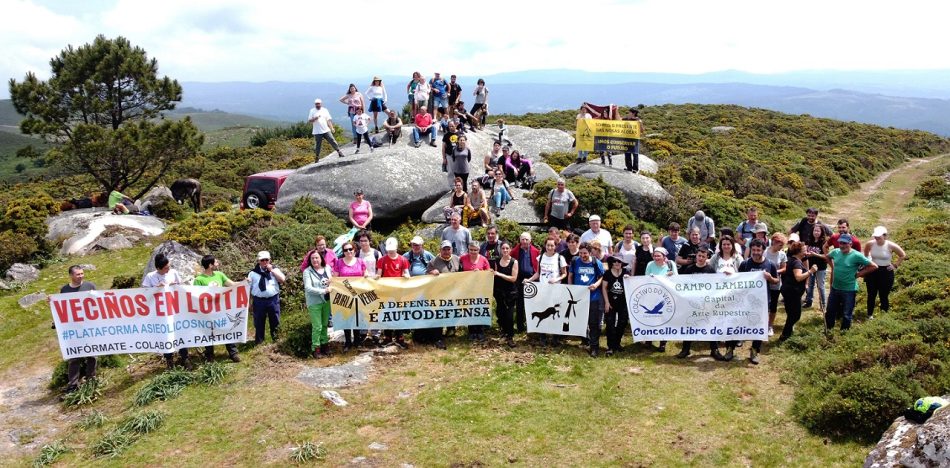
pixel 527 257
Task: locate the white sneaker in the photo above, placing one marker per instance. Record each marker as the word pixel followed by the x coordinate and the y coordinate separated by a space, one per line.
pixel 771 331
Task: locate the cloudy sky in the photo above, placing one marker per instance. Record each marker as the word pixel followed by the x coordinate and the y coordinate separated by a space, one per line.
pixel 276 40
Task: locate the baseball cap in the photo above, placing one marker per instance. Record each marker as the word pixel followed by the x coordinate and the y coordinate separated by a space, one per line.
pixel 844 239
pixel 593 218
pixel 879 231
pixel 417 241
pixel 318 101
pixel 263 255
pixel 445 243
pixel 760 227
pixel 525 235
pixel 391 244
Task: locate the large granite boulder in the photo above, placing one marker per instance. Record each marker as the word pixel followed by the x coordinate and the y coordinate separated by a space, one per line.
pixel 30 299
pixel 402 180
pixel 22 273
pixel 78 230
pixel 115 242
pixel 154 196
pixel 639 189
pixel 907 443
pixel 182 258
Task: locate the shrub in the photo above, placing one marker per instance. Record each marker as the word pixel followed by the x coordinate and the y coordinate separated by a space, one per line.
pixel 165 386
pixel 300 129
pixel 15 247
pixel 125 282
pixel 594 196
pixel 558 160
pixel 59 379
pixel 210 229
pixel 308 452
pixel 305 211
pixel 88 392
pixel 296 331
pixel 167 208
pixel 50 453
pixel 92 420
pixel 934 188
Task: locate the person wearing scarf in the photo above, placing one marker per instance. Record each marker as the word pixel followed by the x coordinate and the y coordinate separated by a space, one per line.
pixel 265 280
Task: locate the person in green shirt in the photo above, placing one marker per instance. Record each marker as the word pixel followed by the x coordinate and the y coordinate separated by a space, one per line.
pixel 211 276
pixel 119 203
pixel 847 265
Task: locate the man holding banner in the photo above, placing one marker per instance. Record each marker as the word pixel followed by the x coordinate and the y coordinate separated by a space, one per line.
pixel 165 275
pixel 757 262
pixel 631 157
pixel 588 271
pixel 74 366
pixel 211 276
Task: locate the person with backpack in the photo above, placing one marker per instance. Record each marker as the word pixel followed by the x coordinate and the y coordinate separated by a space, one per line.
pixel 700 267
pixel 706 225
pixel 560 206
pixel 589 271
pixel 440 94
pixel 626 248
pixel 552 268
pixel 615 305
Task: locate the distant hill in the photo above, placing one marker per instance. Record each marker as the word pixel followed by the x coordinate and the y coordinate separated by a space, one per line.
pixel 209 121
pixel 536 92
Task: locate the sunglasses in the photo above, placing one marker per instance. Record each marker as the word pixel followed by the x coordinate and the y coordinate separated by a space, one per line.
pixel 348 249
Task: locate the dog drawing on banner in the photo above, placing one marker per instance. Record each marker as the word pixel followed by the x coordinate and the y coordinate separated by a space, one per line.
pixel 557 309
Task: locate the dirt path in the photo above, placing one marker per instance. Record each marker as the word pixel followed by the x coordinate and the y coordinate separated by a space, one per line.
pixel 881 200
pixel 30 414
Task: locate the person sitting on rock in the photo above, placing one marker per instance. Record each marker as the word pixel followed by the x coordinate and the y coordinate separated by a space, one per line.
pixel 393 127
pixel 119 203
pixel 464 117
pixel 423 127
pixel 518 170
pixel 500 191
pixel 491 159
pixel 458 200
pixel 477 207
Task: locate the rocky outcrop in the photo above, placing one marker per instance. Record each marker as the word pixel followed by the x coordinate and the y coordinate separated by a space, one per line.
pixel 154 196
pixel 22 273
pixel 907 443
pixel 30 299
pixel 78 230
pixel 182 258
pixel 722 129
pixel 640 190
pixel 115 242
pixel 402 180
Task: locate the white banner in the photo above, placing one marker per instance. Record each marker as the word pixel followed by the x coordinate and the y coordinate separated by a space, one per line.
pixel 153 320
pixel 703 307
pixel 556 309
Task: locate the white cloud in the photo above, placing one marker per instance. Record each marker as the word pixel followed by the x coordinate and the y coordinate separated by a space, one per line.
pixel 245 40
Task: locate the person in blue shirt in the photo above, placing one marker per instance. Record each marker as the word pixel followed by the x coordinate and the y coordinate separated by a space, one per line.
pixel 673 242
pixel 265 280
pixel 588 271
pixel 440 96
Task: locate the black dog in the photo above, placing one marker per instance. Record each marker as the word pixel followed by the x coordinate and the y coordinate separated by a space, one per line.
pixel 187 189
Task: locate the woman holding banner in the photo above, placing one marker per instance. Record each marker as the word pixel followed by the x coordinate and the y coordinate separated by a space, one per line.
pixel 506 277
pixel 316 285
pixel 589 271
pixel 552 268
pixel 661 266
pixel 350 266
pixel 474 261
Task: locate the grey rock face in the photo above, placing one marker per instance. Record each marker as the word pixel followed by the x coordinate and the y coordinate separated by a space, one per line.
pixel 30 299
pixel 153 196
pixel 22 273
pixel 722 129
pixel 115 242
pixel 639 189
pixel 907 443
pixel 78 230
pixel 344 375
pixel 181 258
pixel 402 180
pixel 519 210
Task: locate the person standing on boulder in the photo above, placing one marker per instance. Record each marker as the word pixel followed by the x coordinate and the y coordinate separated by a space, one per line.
pixel 164 275
pixel 560 206
pixel 376 93
pixel 78 283
pixel 632 158
pixel 265 280
pixel 322 128
pixel 212 276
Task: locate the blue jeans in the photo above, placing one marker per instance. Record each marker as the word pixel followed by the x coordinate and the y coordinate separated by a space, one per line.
pixel 819 279
pixel 318 143
pixel 352 124
pixel 840 303
pixel 501 197
pixel 432 131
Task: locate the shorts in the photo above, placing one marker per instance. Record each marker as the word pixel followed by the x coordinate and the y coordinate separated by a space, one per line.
pixel 440 102
pixel 377 105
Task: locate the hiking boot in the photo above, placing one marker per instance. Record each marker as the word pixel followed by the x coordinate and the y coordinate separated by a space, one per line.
pixel 510 342
pixel 730 354
pixel 432 143
pixel 609 353
pixel 662 348
pixel 234 357
pixel 357 151
pixel 717 355
pixel 401 342
pixel 753 357
pixel 209 355
pixel 347 346
pixel 169 362
pixel 325 349
pixel 594 352
pixel 806 305
pixel 683 354
pixel 186 363
pixel 440 344
pixel 317 354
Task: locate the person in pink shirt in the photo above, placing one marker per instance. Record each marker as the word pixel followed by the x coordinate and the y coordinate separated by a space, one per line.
pixel 320 245
pixel 361 211
pixel 475 262
pixel 349 266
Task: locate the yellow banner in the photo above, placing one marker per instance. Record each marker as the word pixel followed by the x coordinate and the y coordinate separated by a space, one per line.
pixel 446 300
pixel 606 135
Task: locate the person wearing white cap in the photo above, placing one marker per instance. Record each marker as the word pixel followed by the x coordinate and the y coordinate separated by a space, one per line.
pixel 393 265
pixel 265 280
pixel 322 128
pixel 598 234
pixel 882 253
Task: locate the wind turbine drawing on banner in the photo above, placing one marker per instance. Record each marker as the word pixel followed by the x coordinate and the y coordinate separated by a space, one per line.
pixel 570 308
